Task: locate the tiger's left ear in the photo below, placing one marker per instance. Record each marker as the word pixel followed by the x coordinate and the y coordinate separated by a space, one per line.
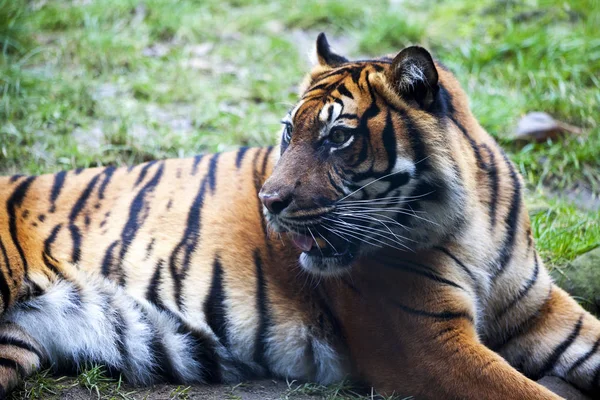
pixel 326 57
pixel 414 77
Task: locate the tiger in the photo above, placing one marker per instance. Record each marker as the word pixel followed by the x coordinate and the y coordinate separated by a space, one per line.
pixel 384 240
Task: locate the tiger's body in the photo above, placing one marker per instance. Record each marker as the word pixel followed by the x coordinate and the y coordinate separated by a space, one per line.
pixel 162 276
pixel 171 270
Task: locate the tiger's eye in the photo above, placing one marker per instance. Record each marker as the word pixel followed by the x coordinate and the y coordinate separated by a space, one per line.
pixel 338 136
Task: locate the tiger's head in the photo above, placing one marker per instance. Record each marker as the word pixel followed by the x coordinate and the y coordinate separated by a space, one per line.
pixel 366 161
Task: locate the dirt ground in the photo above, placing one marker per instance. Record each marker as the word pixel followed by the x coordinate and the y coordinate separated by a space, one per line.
pixel 258 390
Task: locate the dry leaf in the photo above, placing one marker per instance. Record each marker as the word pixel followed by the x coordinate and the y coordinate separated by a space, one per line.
pixel 539 126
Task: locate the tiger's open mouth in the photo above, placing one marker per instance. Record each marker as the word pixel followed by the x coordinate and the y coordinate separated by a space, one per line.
pixel 323 252
pixel 325 248
pixel 321 244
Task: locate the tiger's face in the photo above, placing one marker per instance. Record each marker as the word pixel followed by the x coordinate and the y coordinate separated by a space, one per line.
pixel 354 165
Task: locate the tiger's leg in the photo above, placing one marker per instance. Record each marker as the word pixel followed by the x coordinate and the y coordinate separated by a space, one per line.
pixel 414 333
pixel 472 371
pixel 76 323
pixel 448 361
pixel 558 338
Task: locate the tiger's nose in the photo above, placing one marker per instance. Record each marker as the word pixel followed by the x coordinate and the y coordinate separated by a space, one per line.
pixel 275 202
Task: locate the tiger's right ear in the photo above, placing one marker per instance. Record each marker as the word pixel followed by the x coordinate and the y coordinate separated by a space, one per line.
pixel 326 57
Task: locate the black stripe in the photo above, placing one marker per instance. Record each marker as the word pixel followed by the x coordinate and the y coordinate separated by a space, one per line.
pixel 212 172
pixel 197 159
pixel 6 261
pixel 14 201
pixel 348 116
pixel 108 173
pixel 214 305
pixel 143 172
pixel 389 144
pixel 57 185
pixel 330 113
pixel 335 72
pixel 417 145
pixel 240 156
pixel 152 294
pixel 584 357
pixel 10 341
pixel 138 213
pixel 442 332
pixel 4 286
pixel 149 249
pixel 424 271
pixel 8 363
pixel 107 261
pixel 362 155
pixel 121 330
pixel 50 263
pixel 264 319
pixel 191 236
pixel 14 178
pixel 320 86
pixel 596 379
pixel 344 91
pixel 447 109
pixel 333 184
pixel 523 292
pixel 472 142
pixel 265 161
pixel 4 291
pixel 205 353
pixel 444 315
pixel 76 238
pixel 434 190
pixel 521 329
pixel 461 265
pixel 492 172
pixel 511 222
pixel 355 74
pixel 203 349
pixel 75 211
pixel 257 178
pixel 48 248
pixel 162 364
pixel 551 361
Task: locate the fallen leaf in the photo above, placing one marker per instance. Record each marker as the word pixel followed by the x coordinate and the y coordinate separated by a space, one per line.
pixel 539 126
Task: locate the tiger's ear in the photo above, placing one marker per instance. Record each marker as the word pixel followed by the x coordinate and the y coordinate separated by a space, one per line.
pixel 414 77
pixel 326 57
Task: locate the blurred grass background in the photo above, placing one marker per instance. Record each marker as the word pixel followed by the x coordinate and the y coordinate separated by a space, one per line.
pixel 88 83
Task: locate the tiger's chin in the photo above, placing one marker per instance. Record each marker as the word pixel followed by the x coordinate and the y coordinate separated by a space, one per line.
pixel 326 264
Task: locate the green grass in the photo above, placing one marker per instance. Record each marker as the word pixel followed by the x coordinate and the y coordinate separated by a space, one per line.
pixel 88 83
pixel 93 380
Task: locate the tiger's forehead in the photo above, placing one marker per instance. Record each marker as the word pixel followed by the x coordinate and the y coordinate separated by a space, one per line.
pixel 334 93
